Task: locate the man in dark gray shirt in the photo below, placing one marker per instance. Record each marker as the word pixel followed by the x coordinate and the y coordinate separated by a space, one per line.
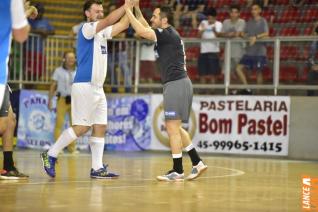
pixel 233 28
pixel 177 87
pixel 255 56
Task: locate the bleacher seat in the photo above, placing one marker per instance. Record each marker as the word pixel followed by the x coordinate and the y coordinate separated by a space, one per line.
pixel 288 73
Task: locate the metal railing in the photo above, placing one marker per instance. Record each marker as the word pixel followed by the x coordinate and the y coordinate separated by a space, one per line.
pixel 34 61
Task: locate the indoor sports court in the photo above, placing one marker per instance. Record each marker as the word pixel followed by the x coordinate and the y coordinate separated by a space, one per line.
pixel 100 99
pixel 229 184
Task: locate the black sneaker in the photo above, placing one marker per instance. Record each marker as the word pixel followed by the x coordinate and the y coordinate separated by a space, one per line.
pixel 245 92
pixel 13 175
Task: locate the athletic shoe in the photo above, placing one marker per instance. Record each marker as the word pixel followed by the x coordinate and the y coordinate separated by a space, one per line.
pixel 171 175
pixel 197 171
pixel 245 92
pixel 13 175
pixel 102 173
pixel 48 163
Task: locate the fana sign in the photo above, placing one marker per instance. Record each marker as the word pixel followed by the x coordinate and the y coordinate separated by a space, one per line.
pixel 36 122
pixel 236 124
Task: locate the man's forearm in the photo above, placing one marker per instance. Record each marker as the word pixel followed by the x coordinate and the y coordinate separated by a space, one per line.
pixel 140 17
pixel 262 35
pixel 112 18
pixel 138 27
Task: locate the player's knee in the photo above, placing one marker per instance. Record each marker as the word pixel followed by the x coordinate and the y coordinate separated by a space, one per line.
pixel 80 130
pixel 99 130
pixel 3 125
pixel 172 129
pixel 12 122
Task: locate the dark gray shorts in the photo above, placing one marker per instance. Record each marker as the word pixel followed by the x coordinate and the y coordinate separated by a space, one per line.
pixel 177 99
pixel 4 110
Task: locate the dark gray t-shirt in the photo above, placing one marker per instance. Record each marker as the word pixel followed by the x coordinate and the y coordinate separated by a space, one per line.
pixel 237 49
pixel 169 51
pixel 254 28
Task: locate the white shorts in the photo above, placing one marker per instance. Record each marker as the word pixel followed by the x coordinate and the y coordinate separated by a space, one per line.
pixel 2 92
pixel 89 105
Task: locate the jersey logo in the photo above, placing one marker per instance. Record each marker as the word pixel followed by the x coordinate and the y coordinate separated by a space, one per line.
pixel 103 49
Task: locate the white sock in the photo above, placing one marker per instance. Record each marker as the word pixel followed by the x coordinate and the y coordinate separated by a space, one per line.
pixel 188 148
pixel 67 137
pixel 97 149
pixel 177 155
pixel 2 92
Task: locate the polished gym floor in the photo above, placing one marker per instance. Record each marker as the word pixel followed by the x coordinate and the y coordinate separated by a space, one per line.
pixel 230 184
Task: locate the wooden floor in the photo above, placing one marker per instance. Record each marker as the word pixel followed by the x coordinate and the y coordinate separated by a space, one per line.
pixel 230 184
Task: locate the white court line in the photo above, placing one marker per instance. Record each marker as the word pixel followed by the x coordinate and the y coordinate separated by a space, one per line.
pixel 236 173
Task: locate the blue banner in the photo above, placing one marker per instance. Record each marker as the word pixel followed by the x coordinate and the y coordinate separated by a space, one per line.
pixel 36 122
pixel 128 128
pixel 129 123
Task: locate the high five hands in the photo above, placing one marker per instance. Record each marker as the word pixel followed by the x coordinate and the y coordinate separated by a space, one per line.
pixel 129 4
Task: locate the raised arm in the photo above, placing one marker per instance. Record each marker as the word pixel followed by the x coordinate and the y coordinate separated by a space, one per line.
pixel 141 30
pixel 122 25
pixel 112 18
pixel 139 15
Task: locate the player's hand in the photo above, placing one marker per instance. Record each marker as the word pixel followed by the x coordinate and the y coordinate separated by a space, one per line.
pixel 252 40
pixel 129 4
pixel 136 3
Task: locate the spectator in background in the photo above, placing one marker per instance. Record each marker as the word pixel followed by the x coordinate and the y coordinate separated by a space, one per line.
pixel 296 3
pixel 208 62
pixel 234 28
pixel 262 3
pixel 41 25
pixel 178 10
pixel 62 81
pixel 191 9
pixel 255 56
pixel 35 45
pixel 148 67
pixel 313 64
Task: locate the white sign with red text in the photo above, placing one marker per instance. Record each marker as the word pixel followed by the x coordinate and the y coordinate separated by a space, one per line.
pixel 257 125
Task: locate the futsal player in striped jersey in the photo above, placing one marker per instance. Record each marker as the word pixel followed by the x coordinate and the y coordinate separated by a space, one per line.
pixel 89 106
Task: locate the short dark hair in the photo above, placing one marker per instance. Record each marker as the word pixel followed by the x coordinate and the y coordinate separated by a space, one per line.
pixel 87 5
pixel 211 12
pixel 166 12
pixel 235 7
pixel 257 4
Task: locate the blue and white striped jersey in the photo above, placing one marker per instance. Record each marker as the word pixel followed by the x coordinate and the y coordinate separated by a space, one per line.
pixel 92 54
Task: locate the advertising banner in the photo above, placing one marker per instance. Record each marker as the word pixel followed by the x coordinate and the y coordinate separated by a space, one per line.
pixel 36 121
pixel 129 123
pixel 257 125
